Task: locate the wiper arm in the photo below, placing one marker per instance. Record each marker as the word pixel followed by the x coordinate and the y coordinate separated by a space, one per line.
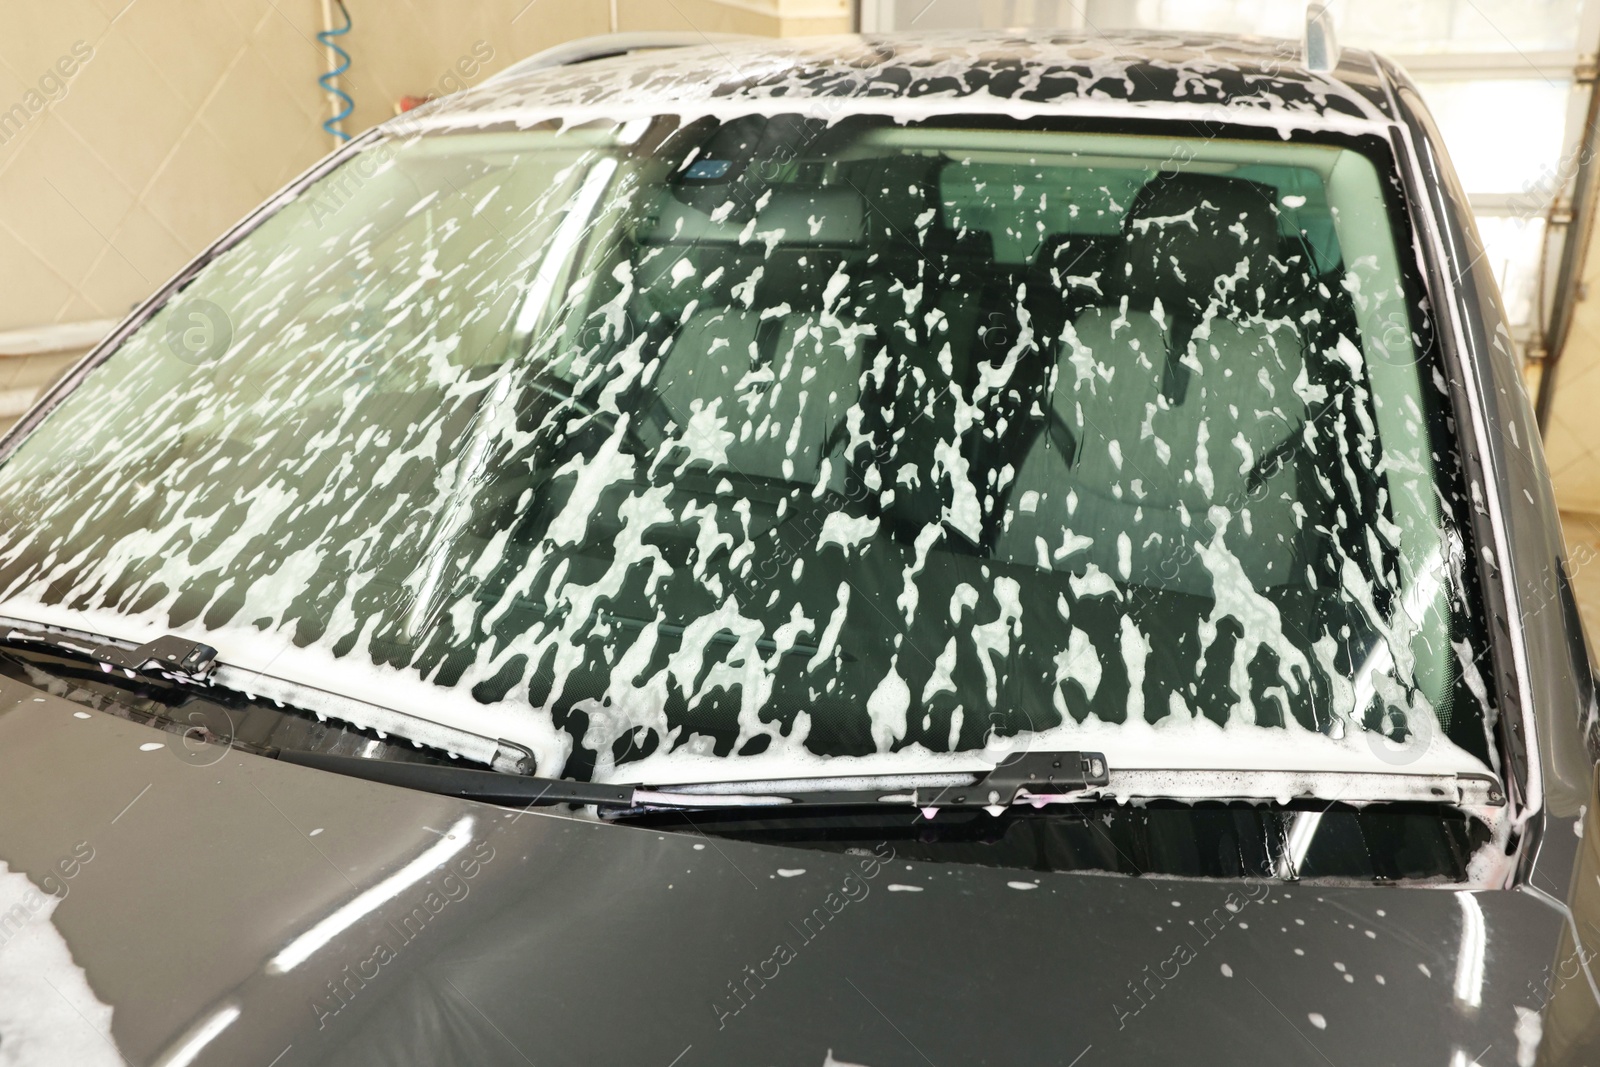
pixel 169 656
pixel 1034 774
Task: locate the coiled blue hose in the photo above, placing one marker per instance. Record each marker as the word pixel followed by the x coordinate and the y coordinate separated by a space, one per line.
pixel 327 80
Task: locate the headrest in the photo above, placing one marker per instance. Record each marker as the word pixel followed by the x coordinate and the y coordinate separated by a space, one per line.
pixel 1051 249
pixel 968 244
pixel 1076 253
pixel 1194 239
pixel 808 215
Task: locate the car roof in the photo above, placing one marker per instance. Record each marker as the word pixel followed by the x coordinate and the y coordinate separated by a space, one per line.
pixel 1225 77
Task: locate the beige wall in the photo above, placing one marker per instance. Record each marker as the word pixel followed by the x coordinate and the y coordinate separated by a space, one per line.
pixel 1572 437
pixel 133 132
pixel 771 18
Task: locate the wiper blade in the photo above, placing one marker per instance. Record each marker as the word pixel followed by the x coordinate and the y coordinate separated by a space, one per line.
pixel 490 787
pixel 185 665
pixel 1034 774
pixel 1028 775
pixel 169 656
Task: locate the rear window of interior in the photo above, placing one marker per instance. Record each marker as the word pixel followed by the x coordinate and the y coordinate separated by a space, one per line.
pixel 1075 186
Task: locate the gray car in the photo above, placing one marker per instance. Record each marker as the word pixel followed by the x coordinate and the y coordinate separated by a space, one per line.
pixel 903 550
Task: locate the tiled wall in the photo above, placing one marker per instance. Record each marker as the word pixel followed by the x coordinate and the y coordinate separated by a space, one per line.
pixel 177 117
pixel 23 378
pixel 133 132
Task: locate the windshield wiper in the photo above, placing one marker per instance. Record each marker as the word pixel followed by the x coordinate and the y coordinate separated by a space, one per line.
pixel 168 656
pixel 1033 774
pixel 1030 774
pixel 192 666
pixel 490 787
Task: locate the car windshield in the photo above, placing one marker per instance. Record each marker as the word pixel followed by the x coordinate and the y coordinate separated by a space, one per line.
pixel 691 447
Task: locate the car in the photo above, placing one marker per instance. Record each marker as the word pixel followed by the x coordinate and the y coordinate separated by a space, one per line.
pixel 947 549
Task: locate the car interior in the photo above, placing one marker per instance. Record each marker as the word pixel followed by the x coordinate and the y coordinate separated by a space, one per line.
pixel 1082 413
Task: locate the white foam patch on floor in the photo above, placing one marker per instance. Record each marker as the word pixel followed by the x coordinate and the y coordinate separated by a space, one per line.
pixel 48 1014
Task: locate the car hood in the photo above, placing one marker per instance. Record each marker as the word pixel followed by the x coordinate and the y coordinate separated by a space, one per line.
pixel 162 904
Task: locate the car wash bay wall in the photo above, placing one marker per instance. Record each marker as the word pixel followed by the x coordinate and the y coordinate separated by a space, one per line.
pixel 134 132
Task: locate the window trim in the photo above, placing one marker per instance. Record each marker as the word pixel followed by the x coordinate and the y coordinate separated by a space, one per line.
pixel 1433 230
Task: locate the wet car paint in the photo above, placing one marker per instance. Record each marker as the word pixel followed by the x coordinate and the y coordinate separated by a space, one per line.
pixel 534 937
pixel 578 942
